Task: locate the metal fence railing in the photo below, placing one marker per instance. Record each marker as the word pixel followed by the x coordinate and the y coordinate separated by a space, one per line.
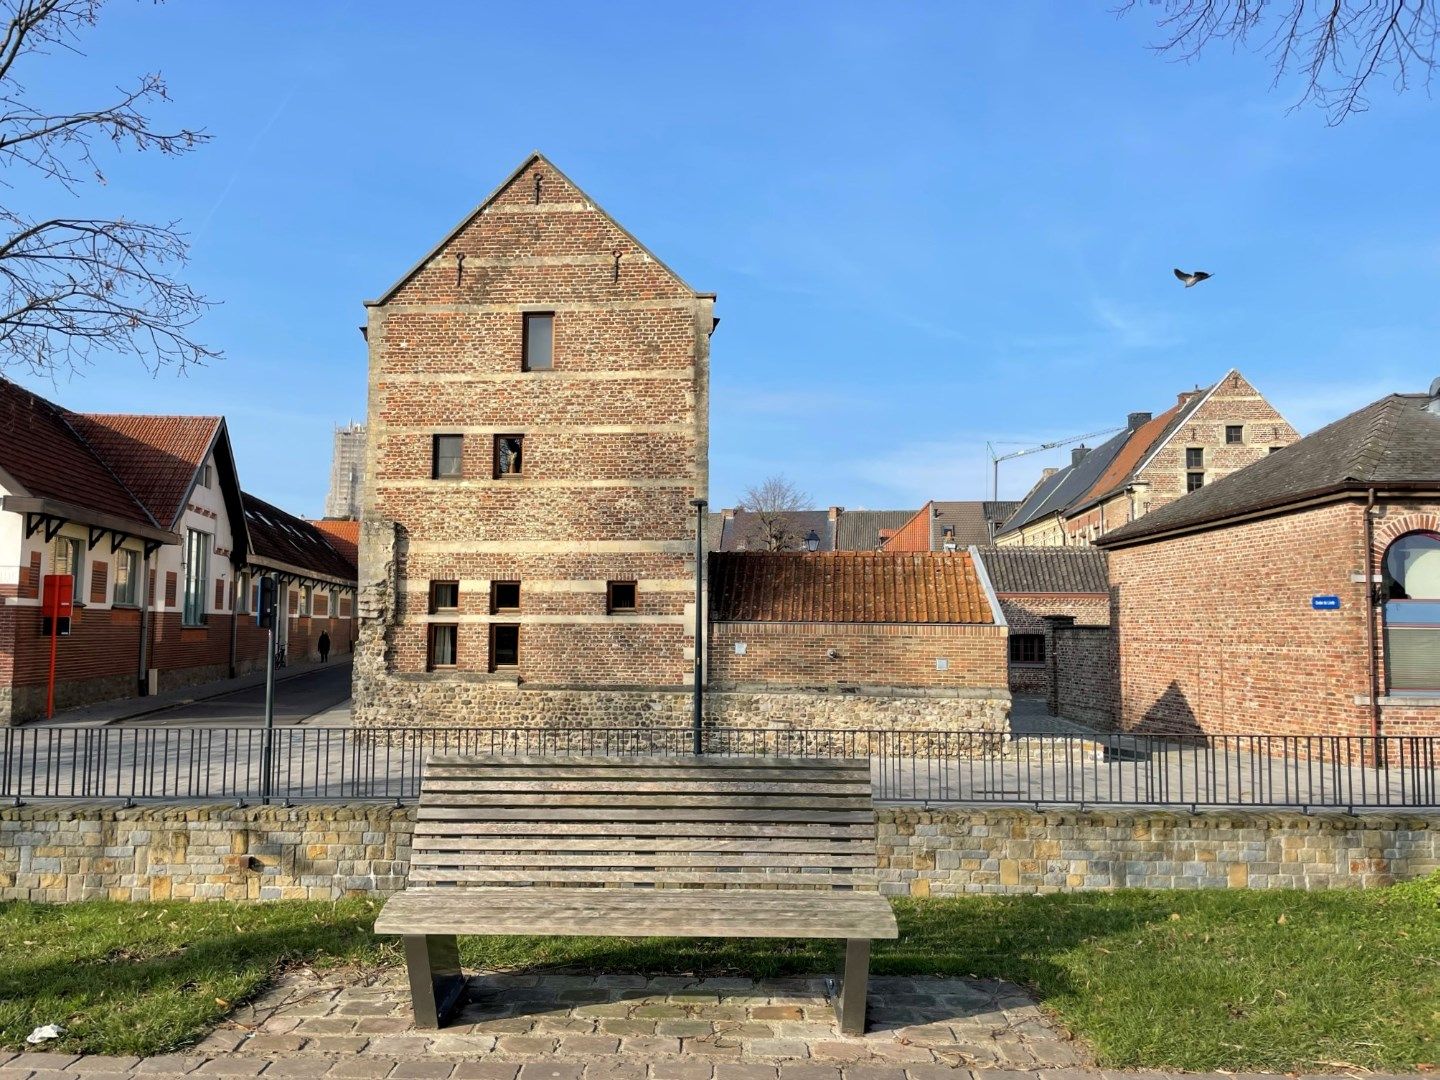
pixel 176 764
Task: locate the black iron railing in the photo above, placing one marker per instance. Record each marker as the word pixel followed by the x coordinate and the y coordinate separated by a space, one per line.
pixel 176 764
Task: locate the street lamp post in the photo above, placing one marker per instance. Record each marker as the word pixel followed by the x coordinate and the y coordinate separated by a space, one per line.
pixel 812 542
pixel 699 704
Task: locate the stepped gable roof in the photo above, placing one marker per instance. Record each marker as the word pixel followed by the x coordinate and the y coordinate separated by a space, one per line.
pixel 847 587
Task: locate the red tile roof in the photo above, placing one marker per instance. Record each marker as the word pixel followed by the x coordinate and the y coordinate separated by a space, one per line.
pixel 156 457
pixel 343 534
pixel 41 448
pixel 847 586
pixel 285 538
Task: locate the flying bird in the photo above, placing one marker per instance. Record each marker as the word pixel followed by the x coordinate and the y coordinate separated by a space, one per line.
pixel 1193 278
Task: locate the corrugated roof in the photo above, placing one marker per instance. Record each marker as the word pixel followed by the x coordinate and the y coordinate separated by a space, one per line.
pixel 1391 442
pixel 1046 569
pixel 859 530
pixel 156 457
pixel 43 450
pixel 285 538
pixel 847 586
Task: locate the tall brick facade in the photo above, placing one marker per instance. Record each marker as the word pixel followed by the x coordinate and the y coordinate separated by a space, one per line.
pixel 614 428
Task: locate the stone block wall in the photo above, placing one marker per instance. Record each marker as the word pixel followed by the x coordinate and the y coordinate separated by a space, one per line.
pixel 61 852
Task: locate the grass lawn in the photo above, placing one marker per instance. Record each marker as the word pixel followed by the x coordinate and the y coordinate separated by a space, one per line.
pixel 1194 980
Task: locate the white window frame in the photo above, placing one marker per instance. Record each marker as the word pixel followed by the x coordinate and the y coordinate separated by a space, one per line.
pixel 129 559
pixel 197 578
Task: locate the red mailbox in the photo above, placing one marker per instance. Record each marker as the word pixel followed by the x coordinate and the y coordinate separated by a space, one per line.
pixel 57 604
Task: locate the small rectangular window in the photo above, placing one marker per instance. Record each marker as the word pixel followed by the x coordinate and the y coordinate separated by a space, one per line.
pixel 539 340
pixel 1194 481
pixel 1194 457
pixel 504 596
pixel 445 457
pixel 197 577
pixel 127 578
pixel 444 596
pixel 619 597
pixel 504 645
pixel 67 557
pixel 1234 433
pixel 206 476
pixel 443 647
pixel 1027 648
pixel 1273 449
pixel 509 455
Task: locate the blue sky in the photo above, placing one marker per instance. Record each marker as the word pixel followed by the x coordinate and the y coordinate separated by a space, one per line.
pixel 929 225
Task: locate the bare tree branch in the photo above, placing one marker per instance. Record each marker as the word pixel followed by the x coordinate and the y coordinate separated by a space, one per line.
pixel 771 505
pixel 1336 47
pixel 72 287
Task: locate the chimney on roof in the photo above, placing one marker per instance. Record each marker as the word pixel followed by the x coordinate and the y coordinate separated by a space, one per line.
pixel 1077 454
pixel 835 512
pixel 1046 473
pixel 1137 420
pixel 1184 396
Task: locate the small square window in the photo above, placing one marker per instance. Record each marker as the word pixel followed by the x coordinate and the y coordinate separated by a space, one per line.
pixel 509 455
pixel 504 596
pixel 1027 648
pixel 445 457
pixel 1234 433
pixel 443 648
pixel 1194 481
pixel 1195 457
pixel 619 597
pixel 539 344
pixel 504 645
pixel 444 596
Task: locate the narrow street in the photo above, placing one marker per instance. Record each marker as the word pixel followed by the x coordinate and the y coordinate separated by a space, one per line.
pixel 317 697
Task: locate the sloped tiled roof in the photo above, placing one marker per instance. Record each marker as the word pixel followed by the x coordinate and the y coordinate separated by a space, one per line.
pixel 41 448
pixel 156 457
pixel 859 530
pixel 295 542
pixel 1122 469
pixel 1046 569
pixel 744 530
pixel 848 587
pixel 1393 442
pixel 970 520
pixel 344 536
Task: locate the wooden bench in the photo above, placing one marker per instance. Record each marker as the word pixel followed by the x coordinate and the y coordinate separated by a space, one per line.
pixel 638 847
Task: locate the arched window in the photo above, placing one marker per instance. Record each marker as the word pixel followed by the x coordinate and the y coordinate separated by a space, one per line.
pixel 1412 612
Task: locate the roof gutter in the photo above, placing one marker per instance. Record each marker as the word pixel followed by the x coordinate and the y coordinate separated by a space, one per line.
pixel 84 515
pixel 299 571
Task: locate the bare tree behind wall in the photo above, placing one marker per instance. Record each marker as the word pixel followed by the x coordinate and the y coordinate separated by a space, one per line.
pixel 74 286
pixel 771 505
pixel 1339 50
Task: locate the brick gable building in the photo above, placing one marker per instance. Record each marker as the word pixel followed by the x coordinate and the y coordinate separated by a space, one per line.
pixel 1300 595
pixel 1155 460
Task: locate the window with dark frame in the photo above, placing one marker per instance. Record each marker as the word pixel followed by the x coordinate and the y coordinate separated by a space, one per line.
pixel 446 457
pixel 1273 449
pixel 539 341
pixel 619 597
pixel 1194 457
pixel 504 596
pixel 1234 433
pixel 443 650
pixel 1027 648
pixel 444 596
pixel 1194 481
pixel 504 645
pixel 509 456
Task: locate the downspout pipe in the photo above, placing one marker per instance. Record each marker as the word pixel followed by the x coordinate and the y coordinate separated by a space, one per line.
pixel 1370 615
pixel 143 675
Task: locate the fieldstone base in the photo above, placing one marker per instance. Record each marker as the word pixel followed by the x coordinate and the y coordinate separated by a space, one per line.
pixel 677 1020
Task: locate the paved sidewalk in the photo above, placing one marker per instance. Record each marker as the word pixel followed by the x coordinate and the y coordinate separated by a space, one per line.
pixel 564 1027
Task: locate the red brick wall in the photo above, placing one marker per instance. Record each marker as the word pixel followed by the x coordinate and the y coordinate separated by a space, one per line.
pixel 1026 612
pixel 1215 630
pixel 894 655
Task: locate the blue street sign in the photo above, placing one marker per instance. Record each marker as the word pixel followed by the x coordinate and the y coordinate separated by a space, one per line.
pixel 1325 603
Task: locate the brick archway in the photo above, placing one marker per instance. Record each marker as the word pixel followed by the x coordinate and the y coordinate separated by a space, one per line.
pixel 1391 531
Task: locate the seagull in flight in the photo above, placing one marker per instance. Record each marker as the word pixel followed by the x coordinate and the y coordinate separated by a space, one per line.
pixel 1192 278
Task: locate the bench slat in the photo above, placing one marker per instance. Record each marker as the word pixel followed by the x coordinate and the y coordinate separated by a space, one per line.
pixel 659 785
pixel 609 800
pixel 659 814
pixel 618 876
pixel 588 828
pixel 464 841
pixel 638 913
pixel 792 765
pixel 663 859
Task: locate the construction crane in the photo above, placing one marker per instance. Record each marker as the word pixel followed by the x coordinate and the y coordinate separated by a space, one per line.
pixel 995 459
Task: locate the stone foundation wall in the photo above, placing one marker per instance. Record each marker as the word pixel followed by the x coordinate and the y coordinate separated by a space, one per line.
pixel 61 852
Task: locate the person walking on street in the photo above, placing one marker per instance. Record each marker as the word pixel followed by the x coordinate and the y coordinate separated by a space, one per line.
pixel 324 644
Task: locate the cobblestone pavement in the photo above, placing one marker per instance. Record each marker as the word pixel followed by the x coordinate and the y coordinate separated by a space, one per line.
pixel 559 1027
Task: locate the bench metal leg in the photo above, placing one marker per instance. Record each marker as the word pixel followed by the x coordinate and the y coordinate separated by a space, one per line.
pixel 854 980
pixel 436 981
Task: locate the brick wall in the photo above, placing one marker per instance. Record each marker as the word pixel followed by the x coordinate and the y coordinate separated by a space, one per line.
pixel 1216 633
pixel 64 852
pixel 1081 681
pixel 614 449
pixel 1025 613
pixel 866 654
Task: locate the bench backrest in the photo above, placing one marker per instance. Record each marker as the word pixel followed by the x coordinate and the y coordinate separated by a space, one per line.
pixel 645 821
